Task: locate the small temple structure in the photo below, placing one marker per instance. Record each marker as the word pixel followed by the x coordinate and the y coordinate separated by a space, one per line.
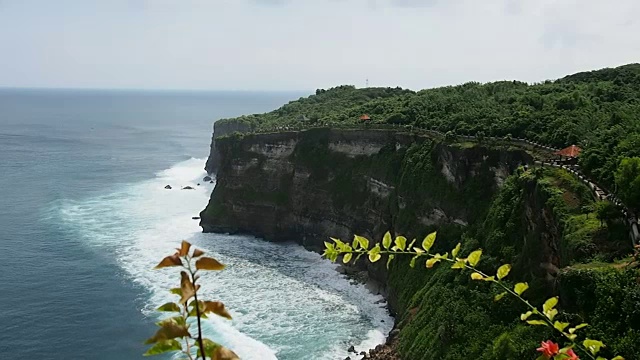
pixel 569 152
pixel 365 117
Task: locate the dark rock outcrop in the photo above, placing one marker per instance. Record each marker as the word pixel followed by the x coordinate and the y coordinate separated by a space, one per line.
pixel 188 188
pixel 168 187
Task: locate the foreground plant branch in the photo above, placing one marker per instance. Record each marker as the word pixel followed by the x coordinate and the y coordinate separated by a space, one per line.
pixel 544 317
pixel 178 327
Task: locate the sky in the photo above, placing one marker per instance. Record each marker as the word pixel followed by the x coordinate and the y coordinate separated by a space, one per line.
pixel 308 44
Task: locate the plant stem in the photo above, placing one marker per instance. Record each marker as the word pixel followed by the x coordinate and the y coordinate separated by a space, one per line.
pixel 197 306
pixel 195 297
pixel 186 339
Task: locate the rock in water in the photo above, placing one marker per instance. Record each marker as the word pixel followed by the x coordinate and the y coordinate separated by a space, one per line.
pixel 198 184
pixel 206 178
pixel 188 188
pixel 351 349
pixel 195 217
pixel 211 182
pixel 168 187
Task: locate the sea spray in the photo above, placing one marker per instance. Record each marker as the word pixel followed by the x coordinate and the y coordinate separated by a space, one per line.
pixel 287 303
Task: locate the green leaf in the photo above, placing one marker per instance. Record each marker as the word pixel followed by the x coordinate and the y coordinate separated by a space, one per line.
pixel 618 358
pixel 411 244
pixel 526 315
pixel 458 265
pixel 474 257
pixel 170 306
pixel 431 262
pixel 374 253
pixel 363 241
pixel 578 327
pixel 428 241
pixel 520 288
pixel 503 271
pixel 550 304
pixel 418 250
pixel 412 263
pixel 386 240
pixel 499 296
pixel 593 345
pixel 551 313
pixel 209 347
pixel 338 242
pixel 456 250
pixel 401 243
pixel 537 322
pixel 176 291
pixel 560 326
pixel 347 257
pixel 391 256
pixel 207 263
pixel 164 346
pixel 476 276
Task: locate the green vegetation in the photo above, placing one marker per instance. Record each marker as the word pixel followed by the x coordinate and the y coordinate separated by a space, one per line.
pixel 542 221
pixel 179 326
pixel 628 179
pixel 547 315
pixel 598 110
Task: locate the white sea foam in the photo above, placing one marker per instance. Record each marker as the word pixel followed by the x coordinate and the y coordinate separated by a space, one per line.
pixel 286 302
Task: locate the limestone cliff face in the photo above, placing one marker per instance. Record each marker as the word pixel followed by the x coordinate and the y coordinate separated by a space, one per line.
pixel 307 186
pixel 222 128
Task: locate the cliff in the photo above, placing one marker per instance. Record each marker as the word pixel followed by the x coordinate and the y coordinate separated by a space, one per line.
pixel 223 128
pixel 309 185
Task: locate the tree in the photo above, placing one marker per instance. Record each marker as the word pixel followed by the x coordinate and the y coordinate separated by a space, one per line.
pixel 606 211
pixel 627 179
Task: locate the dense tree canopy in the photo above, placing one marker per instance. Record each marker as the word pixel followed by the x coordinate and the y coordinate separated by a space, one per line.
pixel 597 110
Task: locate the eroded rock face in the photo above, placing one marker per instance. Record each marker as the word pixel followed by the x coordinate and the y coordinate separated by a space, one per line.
pixel 310 185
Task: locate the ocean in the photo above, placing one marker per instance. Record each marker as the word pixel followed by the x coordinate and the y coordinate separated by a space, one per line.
pixel 84 218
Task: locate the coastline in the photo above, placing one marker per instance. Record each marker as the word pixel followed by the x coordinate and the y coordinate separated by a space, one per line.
pixel 386 350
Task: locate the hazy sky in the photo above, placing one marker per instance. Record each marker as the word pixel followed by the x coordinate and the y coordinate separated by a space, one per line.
pixel 308 44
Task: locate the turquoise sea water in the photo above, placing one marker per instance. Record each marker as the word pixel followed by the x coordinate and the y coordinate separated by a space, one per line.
pixel 84 217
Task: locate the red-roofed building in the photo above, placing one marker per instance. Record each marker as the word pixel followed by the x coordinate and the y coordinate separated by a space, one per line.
pixel 365 117
pixel 571 151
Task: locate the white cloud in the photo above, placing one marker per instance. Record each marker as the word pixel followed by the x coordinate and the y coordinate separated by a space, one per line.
pixel 295 44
